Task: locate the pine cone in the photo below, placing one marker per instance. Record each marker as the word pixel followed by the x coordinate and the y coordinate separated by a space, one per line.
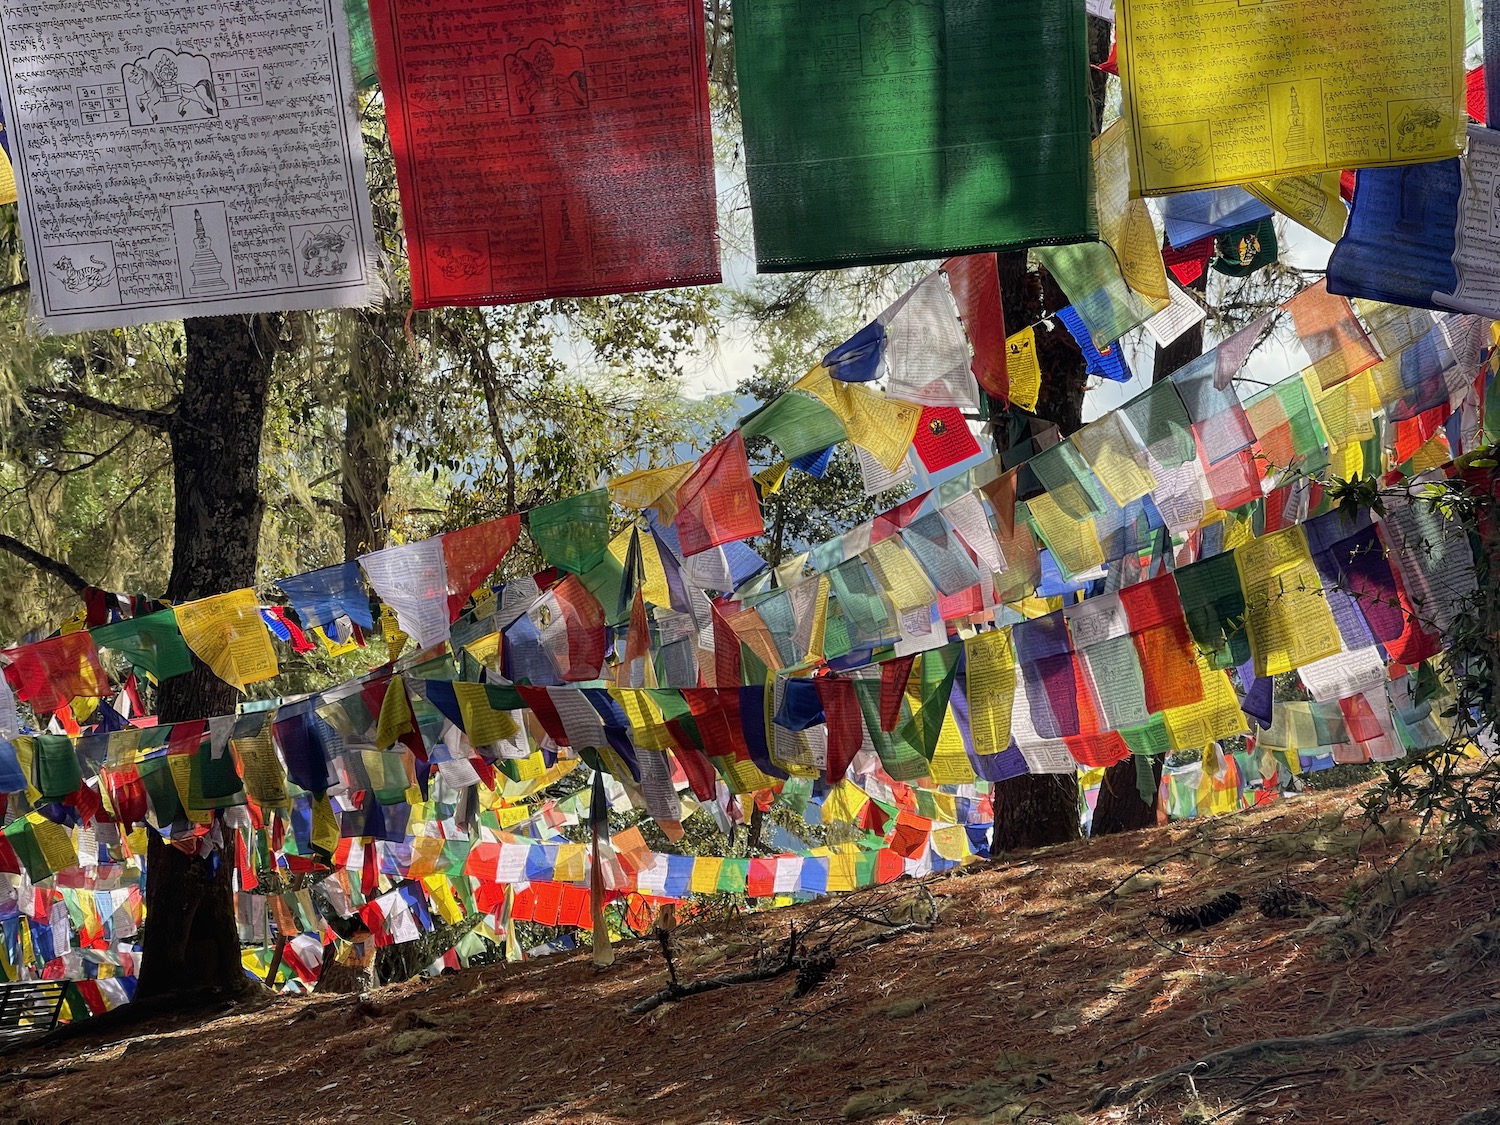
pixel 814 968
pixel 1184 919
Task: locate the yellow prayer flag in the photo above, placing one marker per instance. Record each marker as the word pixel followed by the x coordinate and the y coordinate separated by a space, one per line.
pixel 1311 89
pixel 228 634
pixel 483 723
pixel 772 477
pixel 1286 614
pixel 705 880
pixel 1125 224
pixel 899 575
pixel 654 588
pixel 1074 543
pixel 325 825
pixel 1023 368
pixel 950 761
pixel 843 869
pixel 991 687
pixel 54 842
pixel 1216 715
pixel 882 426
pixel 651 488
pixel 1312 201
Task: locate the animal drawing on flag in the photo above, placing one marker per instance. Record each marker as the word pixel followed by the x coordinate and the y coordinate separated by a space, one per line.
pixel 168 84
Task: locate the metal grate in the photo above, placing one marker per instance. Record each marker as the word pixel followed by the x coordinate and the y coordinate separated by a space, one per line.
pixel 29 1008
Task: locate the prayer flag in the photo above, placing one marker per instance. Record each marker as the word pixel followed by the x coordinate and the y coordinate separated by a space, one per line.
pixel 51 673
pixel 890 132
pixel 151 642
pixel 549 150
pixel 228 634
pixel 282 223
pixel 1309 89
pixel 717 503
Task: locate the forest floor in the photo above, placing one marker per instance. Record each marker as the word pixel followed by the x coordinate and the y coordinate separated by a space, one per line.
pixel 1047 980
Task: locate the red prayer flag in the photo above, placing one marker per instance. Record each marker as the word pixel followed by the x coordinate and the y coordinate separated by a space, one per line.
pixel 943 438
pixel 1478 100
pixel 51 673
pixel 975 281
pixel 471 554
pixel 549 150
pixel 717 503
pixel 845 724
pixel 1163 643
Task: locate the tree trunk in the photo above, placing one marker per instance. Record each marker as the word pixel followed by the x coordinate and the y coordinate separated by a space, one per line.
pixel 190 940
pixel 366 455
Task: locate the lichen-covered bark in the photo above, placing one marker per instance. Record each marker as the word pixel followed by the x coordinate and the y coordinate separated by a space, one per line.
pixel 190 941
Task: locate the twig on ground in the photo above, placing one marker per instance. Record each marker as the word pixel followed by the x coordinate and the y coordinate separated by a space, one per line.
pixel 1291 1044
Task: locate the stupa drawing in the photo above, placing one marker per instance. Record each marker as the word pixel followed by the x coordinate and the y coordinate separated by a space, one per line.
pixel 207 270
pixel 568 259
pixel 1297 144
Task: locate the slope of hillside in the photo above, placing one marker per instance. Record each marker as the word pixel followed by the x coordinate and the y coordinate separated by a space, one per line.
pixel 1046 980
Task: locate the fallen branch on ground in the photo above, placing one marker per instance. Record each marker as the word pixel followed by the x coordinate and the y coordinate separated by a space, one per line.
pixel 1342 1037
pixel 812 951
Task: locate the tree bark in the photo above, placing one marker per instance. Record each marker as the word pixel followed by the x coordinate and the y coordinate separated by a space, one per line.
pixel 190 941
pixel 366 455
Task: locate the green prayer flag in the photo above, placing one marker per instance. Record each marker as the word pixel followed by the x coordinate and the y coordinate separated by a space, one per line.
pixel 20 835
pixel 215 781
pixel 936 670
pixel 906 129
pixel 361 42
pixel 151 642
pixel 1089 273
pixel 573 534
pixel 1214 603
pixel 797 422
pixel 56 766
pixel 899 756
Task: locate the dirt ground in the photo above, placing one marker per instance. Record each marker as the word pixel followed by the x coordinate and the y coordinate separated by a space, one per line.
pixel 1036 989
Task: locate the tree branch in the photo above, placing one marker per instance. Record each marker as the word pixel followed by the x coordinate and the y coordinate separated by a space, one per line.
pixel 1341 1037
pixel 55 567
pixel 156 419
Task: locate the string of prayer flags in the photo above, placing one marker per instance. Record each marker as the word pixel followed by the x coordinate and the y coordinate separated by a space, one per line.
pixel 322 596
pixel 974 280
pixel 581 143
pixel 1310 91
pixel 51 673
pixel 1399 243
pixel 284 221
pixel 717 503
pixel 151 642
pixel 875 175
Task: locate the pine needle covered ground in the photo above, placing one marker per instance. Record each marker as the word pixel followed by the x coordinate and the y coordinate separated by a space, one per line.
pixel 1050 988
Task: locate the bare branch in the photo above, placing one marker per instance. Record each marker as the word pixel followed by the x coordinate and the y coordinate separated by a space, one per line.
pixel 55 567
pixel 155 419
